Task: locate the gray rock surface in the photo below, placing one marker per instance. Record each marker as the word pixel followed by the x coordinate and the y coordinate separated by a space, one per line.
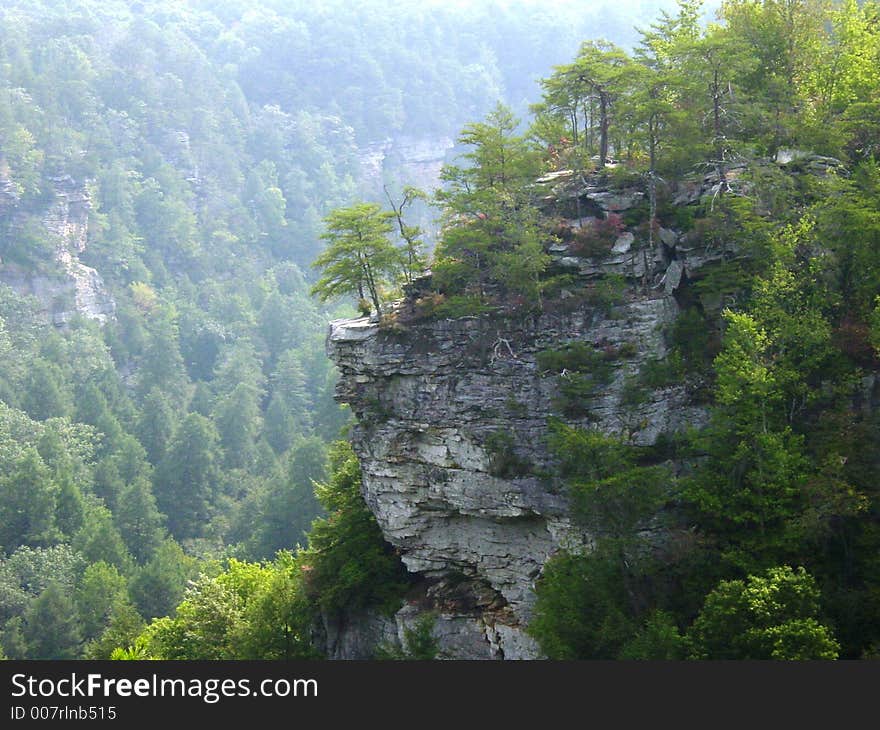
pixel 428 401
pixel 431 398
pixel 72 288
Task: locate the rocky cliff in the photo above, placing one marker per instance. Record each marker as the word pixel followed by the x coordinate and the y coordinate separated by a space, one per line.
pixel 66 287
pixel 452 414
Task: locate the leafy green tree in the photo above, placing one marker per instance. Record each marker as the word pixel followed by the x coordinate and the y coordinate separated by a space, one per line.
pixel 124 625
pixel 784 38
pixel 279 425
pixel 162 365
pixel 414 258
pixel 99 589
pixel 28 572
pixel 248 611
pixel 238 419
pixel 491 236
pixel 658 639
pixel 99 541
pixel 289 505
pixel 348 565
pixel 157 587
pixel 186 480
pixel 45 395
pixel 770 616
pixel 139 521
pixel 155 426
pixel 360 257
pixel 278 619
pixel 582 610
pixel 604 72
pixel 27 504
pixel 49 626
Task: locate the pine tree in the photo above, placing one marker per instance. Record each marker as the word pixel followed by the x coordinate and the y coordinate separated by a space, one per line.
pixel 50 628
pixel 360 258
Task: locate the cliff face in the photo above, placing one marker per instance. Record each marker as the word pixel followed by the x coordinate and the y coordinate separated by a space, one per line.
pixel 452 426
pixel 416 160
pixel 72 287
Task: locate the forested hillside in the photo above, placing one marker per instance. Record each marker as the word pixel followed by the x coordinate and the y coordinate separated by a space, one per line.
pixel 170 171
pixel 689 230
pixel 164 167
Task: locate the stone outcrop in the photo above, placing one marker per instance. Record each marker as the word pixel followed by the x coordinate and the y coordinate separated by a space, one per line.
pixel 431 401
pixel 417 161
pixel 66 287
pixel 452 414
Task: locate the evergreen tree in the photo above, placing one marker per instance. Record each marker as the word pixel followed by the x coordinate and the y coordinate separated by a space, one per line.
pixel 27 504
pixel 44 393
pixel 49 627
pixel 101 587
pixel 360 258
pixel 491 236
pixel 156 425
pixel 186 480
pixel 138 519
pixel 157 587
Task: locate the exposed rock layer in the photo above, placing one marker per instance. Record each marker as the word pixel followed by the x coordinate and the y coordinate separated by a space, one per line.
pixel 69 287
pixel 434 399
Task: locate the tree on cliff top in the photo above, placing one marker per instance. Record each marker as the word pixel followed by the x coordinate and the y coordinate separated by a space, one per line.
pixel 360 258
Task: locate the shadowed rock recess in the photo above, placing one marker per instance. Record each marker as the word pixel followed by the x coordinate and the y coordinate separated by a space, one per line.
pixel 452 424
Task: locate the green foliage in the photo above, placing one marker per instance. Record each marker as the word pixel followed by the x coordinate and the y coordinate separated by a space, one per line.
pixel 360 258
pixel 657 639
pixel 490 247
pixel 157 587
pixel 581 608
pixel 660 373
pixel 48 628
pixel 577 356
pixel 27 504
pixel 100 590
pixel 348 565
pixel 247 611
pixel 610 493
pixel 212 144
pixel 186 479
pixel 457 306
pixel 504 462
pixel 594 605
pixel 770 616
pixel 124 625
pixel 288 506
pixel 419 642
pixel 27 572
pixel 582 369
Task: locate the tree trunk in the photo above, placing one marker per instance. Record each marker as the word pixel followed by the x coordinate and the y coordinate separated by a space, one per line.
pixel 603 128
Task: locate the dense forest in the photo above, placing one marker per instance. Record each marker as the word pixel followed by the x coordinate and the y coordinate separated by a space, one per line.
pixel 201 144
pixel 173 483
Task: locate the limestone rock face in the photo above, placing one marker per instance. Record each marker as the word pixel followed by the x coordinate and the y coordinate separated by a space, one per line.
pixel 73 288
pixel 430 402
pixel 418 159
pixel 452 415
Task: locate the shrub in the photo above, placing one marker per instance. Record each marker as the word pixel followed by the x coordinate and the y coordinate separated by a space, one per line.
pixel 581 611
pixel 769 616
pixel 662 372
pixel 419 642
pixel 595 238
pixel 607 292
pixel 504 462
pixel 574 356
pixel 460 305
